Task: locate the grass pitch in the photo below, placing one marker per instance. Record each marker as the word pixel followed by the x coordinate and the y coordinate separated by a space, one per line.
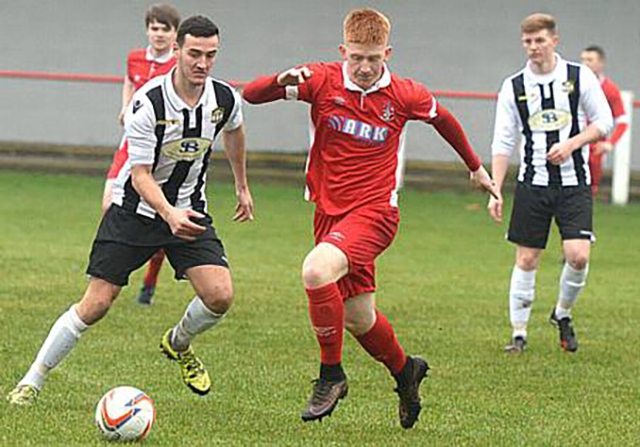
pixel 443 285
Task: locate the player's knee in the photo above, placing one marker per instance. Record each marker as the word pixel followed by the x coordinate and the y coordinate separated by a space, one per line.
pixel 313 276
pixel 527 262
pixel 358 323
pixel 579 261
pixel 218 299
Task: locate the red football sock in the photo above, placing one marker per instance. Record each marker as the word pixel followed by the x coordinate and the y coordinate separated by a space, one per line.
pixel 381 344
pixel 155 264
pixel 326 311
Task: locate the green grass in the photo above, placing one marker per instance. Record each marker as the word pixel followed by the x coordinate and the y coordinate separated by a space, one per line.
pixel 443 284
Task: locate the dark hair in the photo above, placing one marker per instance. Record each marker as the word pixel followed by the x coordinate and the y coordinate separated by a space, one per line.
pixel 596 49
pixel 165 14
pixel 197 26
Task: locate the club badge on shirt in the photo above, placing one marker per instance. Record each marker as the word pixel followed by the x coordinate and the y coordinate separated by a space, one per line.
pixel 217 115
pixel 388 113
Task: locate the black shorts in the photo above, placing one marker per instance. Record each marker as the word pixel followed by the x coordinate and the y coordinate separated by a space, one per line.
pixel 126 240
pixel 535 206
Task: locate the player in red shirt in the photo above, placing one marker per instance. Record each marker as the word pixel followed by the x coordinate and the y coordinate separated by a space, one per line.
pixel 594 58
pixel 358 111
pixel 143 64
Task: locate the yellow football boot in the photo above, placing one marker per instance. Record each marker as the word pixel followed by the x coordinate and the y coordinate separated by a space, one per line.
pixel 194 374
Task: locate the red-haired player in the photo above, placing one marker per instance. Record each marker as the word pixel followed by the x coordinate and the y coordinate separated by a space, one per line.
pixel 144 64
pixel 358 110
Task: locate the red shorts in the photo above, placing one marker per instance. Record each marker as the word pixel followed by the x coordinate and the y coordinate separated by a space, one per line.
pixel 362 235
pixel 119 158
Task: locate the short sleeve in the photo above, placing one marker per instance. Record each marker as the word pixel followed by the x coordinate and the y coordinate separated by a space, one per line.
pixel 422 104
pixel 139 129
pixel 235 118
pixel 506 132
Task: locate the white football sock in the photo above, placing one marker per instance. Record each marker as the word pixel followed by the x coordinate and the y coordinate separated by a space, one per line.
pixel 572 282
pixel 197 319
pixel 521 295
pixel 63 336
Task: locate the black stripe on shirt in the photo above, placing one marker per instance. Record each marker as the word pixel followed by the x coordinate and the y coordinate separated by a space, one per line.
pixel 573 76
pixel 520 97
pixel 181 169
pixel 553 136
pixel 131 198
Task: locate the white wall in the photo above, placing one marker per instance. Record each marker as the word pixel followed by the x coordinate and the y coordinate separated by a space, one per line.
pixel 447 44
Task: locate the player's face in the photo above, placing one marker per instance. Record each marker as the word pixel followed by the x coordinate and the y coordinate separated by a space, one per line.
pixel 365 63
pixel 196 57
pixel 540 46
pixel 592 60
pixel 161 37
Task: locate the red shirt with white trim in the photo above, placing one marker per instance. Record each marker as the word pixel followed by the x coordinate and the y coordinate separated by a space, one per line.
pixel 142 66
pixel 357 150
pixel 357 137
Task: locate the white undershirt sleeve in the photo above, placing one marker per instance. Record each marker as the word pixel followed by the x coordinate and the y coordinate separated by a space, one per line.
pixel 506 134
pixel 139 129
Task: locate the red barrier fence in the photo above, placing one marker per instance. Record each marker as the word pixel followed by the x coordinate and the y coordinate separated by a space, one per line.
pixel 110 79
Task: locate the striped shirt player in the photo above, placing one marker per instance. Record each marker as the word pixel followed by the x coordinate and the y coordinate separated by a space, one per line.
pixel 537 111
pixel 551 110
pixel 171 125
pixel 176 139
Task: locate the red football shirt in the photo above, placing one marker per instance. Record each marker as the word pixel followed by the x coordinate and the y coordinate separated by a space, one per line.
pixel 357 150
pixel 612 93
pixel 141 66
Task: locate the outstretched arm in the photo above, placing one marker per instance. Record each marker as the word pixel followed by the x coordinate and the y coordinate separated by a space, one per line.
pixel 451 130
pixel 272 88
pixel 234 145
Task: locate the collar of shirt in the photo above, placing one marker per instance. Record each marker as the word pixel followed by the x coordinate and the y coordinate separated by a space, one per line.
pixel 176 102
pixel 559 72
pixel 384 81
pixel 160 60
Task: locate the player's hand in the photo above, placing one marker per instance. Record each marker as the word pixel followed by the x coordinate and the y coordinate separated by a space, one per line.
pixel 603 147
pixel 182 226
pixel 495 207
pixel 559 152
pixel 483 180
pixel 121 117
pixel 244 207
pixel 293 76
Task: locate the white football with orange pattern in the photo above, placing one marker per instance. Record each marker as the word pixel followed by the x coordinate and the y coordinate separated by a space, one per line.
pixel 125 414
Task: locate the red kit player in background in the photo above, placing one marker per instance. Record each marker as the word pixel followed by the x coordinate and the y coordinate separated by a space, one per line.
pixel 359 110
pixel 144 64
pixel 594 58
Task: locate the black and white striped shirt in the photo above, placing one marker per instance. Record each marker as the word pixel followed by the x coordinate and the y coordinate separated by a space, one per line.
pixel 176 140
pixel 536 111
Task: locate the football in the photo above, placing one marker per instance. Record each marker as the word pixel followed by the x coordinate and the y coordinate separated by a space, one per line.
pixel 125 414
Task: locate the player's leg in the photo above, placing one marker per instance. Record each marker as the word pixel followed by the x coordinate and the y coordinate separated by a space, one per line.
pixel 528 230
pixel 204 263
pixel 150 281
pixel 63 337
pixel 321 270
pixel 375 334
pixel 521 295
pixel 575 221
